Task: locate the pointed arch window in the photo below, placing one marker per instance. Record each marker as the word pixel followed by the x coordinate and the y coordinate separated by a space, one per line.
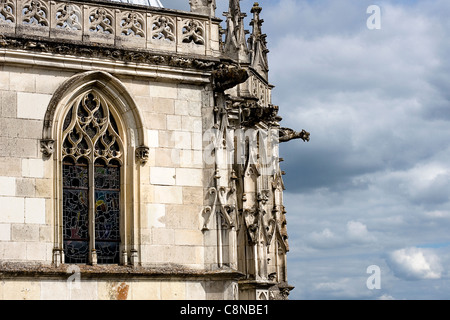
pixel 92 176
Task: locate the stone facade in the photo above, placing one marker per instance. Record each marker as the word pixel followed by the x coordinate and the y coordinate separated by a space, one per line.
pixel 201 216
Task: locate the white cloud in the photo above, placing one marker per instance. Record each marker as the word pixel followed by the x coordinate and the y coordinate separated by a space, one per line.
pixel 324 239
pixel 438 214
pixel 415 264
pixel 353 233
pixel 428 183
pixel 357 231
pixel 341 287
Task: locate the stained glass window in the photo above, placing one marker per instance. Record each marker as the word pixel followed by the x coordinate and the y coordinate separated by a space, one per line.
pixel 107 213
pixel 76 212
pixel 91 173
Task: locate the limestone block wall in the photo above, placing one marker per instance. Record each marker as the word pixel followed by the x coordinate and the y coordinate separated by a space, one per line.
pixel 26 184
pixel 115 289
pixel 172 180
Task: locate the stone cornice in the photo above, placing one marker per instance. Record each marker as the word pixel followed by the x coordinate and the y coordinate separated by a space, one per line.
pixel 112 53
pixel 10 270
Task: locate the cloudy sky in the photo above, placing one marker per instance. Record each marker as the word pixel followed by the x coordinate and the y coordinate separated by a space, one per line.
pixel 372 187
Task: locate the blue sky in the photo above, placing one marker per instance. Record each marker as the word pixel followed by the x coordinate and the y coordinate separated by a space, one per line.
pixel 372 187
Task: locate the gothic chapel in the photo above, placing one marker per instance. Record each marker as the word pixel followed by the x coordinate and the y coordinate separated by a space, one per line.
pixel 138 153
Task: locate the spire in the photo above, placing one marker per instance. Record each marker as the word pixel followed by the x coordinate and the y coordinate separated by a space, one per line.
pixel 258 44
pixel 235 43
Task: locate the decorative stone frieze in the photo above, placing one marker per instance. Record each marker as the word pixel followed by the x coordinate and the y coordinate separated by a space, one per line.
pixel 105 52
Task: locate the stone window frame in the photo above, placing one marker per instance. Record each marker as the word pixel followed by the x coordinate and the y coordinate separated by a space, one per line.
pixel 93 131
pixel 135 155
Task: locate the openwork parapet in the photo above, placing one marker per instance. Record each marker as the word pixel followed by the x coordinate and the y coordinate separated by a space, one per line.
pixel 112 24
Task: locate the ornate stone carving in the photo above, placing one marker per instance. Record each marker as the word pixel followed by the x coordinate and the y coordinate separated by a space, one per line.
pixel 37 46
pixel 163 28
pixel 280 291
pixel 7 11
pixel 262 295
pixel 235 291
pixel 193 31
pixel 228 76
pixel 203 64
pixel 90 130
pixel 235 42
pixel 253 113
pixel 287 134
pixel 47 147
pixel 142 154
pixel 258 44
pixel 220 206
pixel 259 89
pixel 105 52
pixel 133 24
pixel 180 62
pixel 251 218
pixel 207 7
pixel 69 16
pixel 35 13
pixel 101 20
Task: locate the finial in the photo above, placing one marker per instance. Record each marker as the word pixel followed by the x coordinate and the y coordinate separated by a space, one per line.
pixel 256 8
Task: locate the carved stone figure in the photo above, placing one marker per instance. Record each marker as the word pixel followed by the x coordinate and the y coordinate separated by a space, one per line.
pixel 142 154
pixel 47 147
pixel 287 134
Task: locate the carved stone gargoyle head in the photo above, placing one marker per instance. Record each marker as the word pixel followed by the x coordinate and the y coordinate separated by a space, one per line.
pixel 287 134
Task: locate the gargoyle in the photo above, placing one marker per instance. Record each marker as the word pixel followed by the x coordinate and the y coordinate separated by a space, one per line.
pixel 226 77
pixel 287 134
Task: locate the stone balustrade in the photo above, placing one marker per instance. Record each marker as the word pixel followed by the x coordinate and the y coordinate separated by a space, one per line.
pixel 104 23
